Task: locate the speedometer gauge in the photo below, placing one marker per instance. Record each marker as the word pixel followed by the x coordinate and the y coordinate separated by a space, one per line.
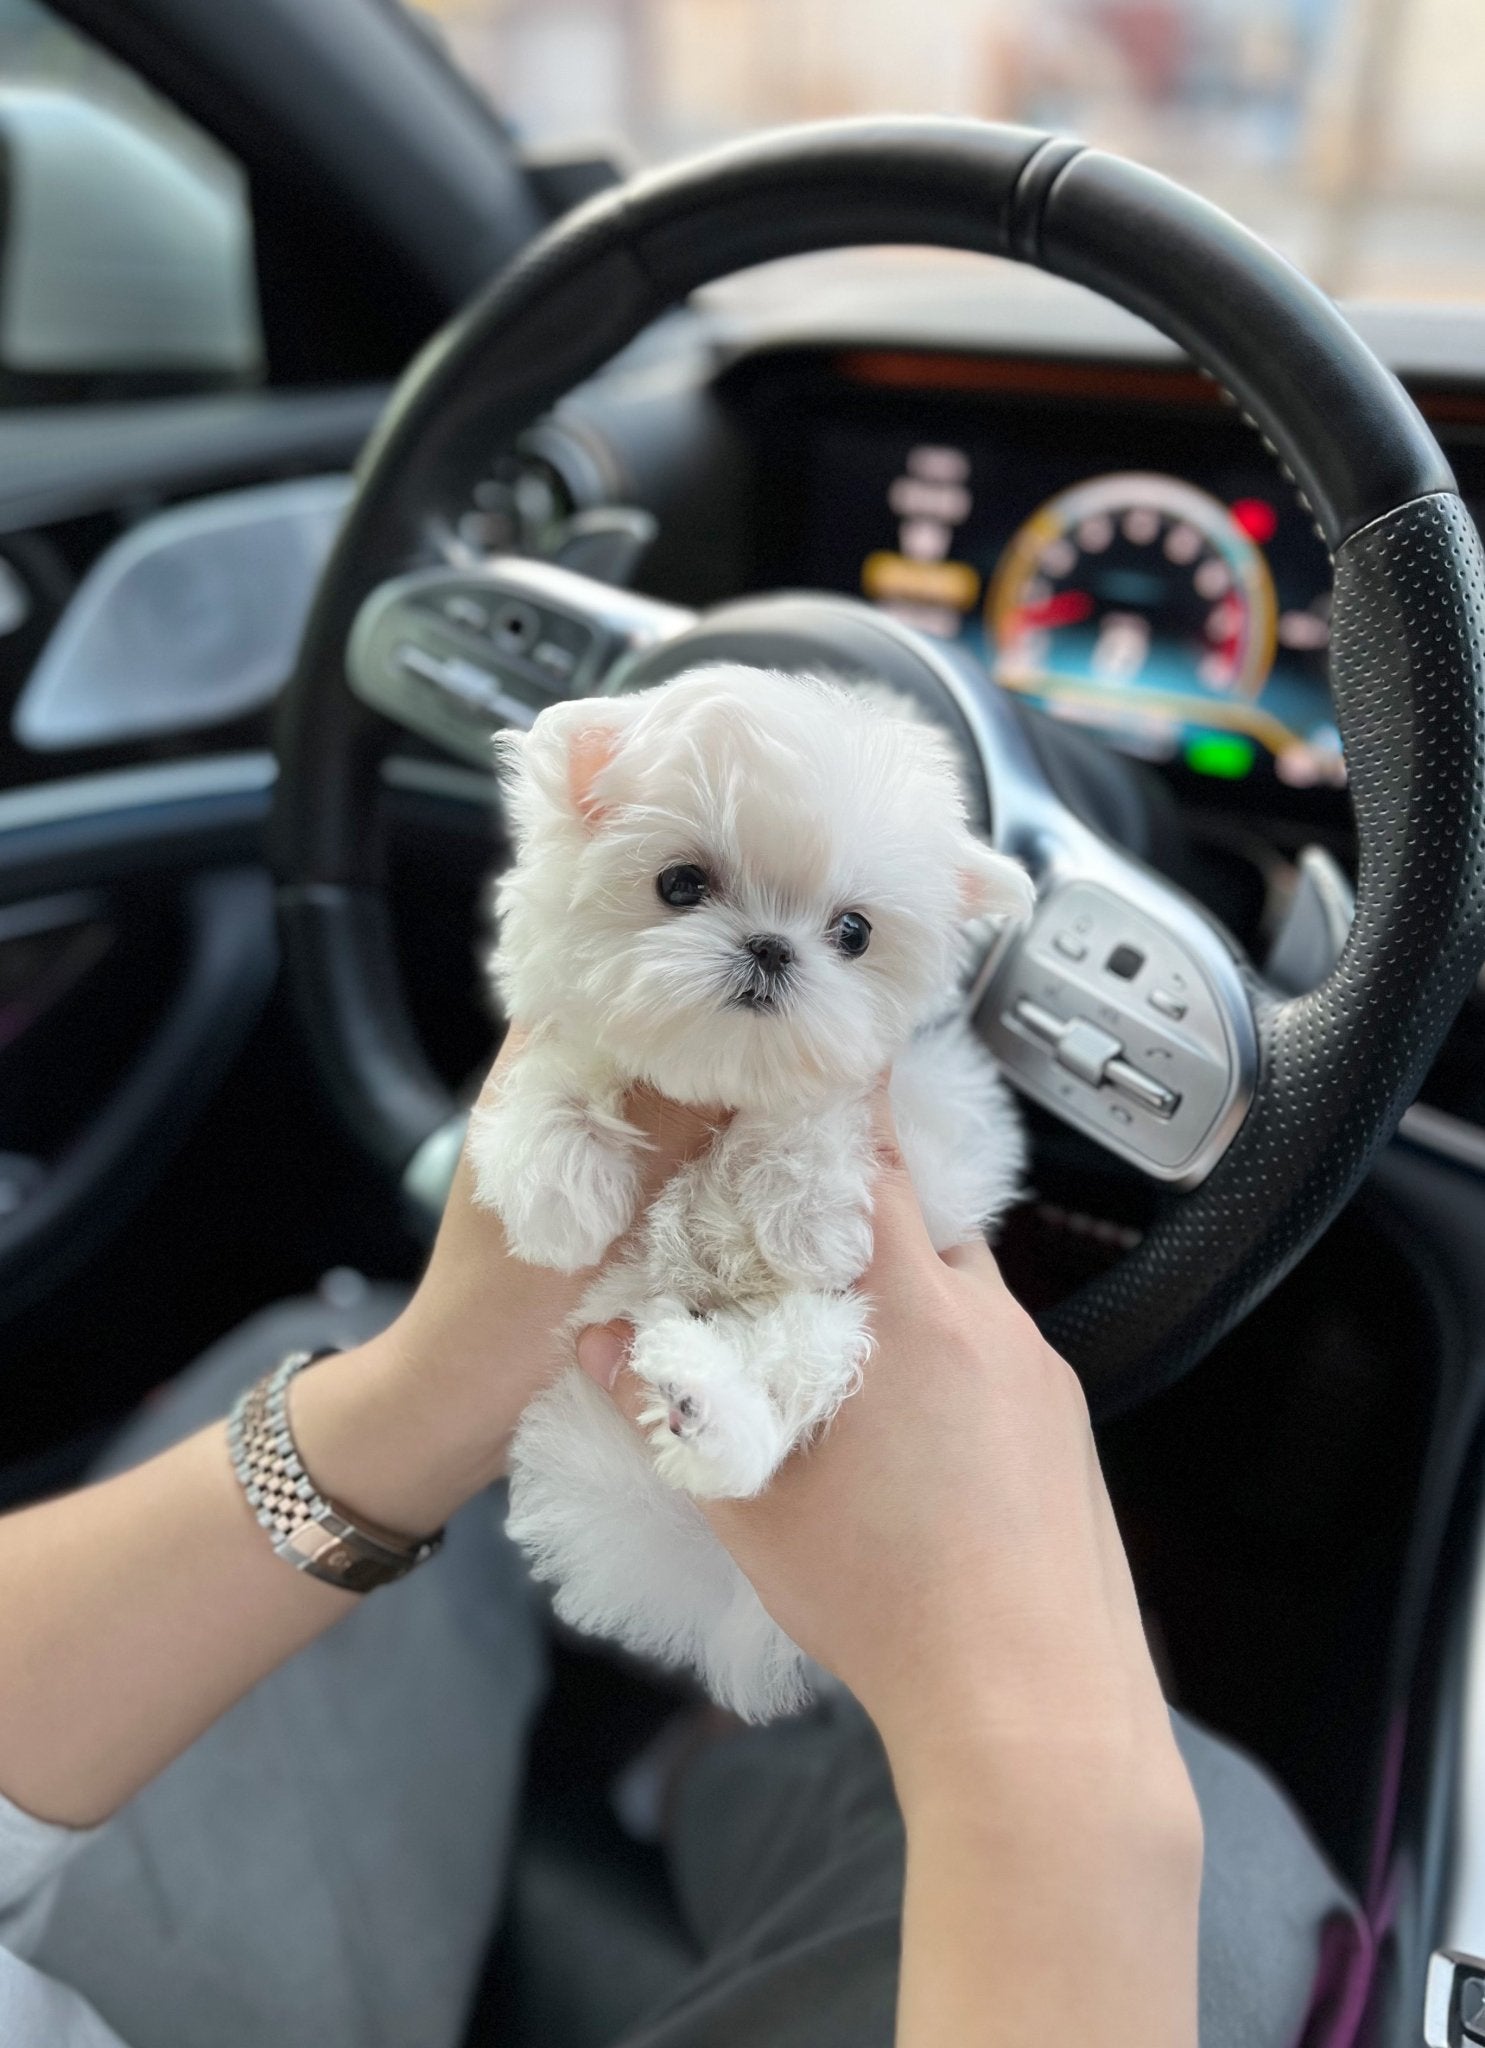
pixel 1138 596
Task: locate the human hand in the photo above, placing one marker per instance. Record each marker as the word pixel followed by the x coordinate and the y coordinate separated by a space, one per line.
pixel 416 1421
pixel 949 1550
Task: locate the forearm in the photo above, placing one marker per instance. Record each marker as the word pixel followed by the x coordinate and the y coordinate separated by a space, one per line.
pixel 136 1612
pixel 132 1615
pixel 1032 1911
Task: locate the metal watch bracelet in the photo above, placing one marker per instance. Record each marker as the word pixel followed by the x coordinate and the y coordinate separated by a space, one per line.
pixel 307 1530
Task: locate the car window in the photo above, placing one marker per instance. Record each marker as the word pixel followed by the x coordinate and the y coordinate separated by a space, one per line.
pixel 126 258
pixel 1348 132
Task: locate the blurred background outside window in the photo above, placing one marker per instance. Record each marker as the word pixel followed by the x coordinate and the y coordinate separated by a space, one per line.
pixel 1351 133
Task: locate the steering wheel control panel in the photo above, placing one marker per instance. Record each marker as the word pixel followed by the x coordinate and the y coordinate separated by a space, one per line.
pixel 1102 1015
pixel 456 654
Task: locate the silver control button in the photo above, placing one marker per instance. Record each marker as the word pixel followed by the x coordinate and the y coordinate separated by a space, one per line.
pixel 1087 1051
pixel 556 659
pixel 473 686
pixel 1070 946
pixel 466 611
pixel 1094 1055
pixel 1042 1024
pixel 1168 1003
pixel 1152 1095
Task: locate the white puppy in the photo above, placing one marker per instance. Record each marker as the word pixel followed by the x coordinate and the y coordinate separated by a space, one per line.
pixel 747 890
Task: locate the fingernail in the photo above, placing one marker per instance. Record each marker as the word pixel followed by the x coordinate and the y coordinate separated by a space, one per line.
pixel 601 1352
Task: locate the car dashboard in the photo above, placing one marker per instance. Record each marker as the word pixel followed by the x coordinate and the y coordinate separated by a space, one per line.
pixel 1112 542
pixel 1131 567
pixel 1077 508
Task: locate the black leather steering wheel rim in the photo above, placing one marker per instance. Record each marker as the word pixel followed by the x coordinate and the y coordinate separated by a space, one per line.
pixel 1337 1067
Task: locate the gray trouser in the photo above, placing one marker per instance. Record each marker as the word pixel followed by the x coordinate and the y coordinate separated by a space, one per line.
pixel 323 1869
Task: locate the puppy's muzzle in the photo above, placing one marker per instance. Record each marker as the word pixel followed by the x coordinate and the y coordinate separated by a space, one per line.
pixel 765 971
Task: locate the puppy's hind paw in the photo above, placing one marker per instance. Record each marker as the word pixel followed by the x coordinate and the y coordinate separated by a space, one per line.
pixel 710 1445
pixel 715 1434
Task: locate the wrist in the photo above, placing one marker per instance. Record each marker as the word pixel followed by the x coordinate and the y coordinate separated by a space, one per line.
pixel 379 1439
pixel 1049 1793
pixel 1017 1894
pixel 1096 1770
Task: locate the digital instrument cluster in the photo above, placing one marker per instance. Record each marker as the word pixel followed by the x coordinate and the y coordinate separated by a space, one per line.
pixel 1186 621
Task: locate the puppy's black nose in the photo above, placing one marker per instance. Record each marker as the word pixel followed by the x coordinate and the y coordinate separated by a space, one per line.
pixel 772 953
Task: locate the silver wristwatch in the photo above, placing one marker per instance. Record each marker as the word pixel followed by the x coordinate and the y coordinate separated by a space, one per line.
pixel 307 1530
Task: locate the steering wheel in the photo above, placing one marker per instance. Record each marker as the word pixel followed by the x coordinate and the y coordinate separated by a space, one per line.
pixel 1258 1113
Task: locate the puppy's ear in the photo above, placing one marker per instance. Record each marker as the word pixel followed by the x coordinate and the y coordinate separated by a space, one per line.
pixel 993 885
pixel 590 750
pixel 569 751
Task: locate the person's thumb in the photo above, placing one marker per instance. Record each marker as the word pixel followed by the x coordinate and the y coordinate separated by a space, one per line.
pixel 897 1221
pixel 602 1352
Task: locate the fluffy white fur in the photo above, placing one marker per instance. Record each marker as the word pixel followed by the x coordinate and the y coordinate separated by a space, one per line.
pixel 800 800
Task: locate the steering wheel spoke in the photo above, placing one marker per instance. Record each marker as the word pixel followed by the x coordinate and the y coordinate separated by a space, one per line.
pixel 455 654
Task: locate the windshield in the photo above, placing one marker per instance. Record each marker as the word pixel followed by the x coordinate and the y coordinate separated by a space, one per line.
pixel 1348 132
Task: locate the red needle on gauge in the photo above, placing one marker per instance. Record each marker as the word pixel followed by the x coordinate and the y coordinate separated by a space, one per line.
pixel 1065 608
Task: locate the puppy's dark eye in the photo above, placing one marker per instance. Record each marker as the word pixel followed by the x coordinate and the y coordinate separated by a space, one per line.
pixel 682 887
pixel 852 934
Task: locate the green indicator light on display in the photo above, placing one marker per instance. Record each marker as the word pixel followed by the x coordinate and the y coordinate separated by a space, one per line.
pixel 1222 754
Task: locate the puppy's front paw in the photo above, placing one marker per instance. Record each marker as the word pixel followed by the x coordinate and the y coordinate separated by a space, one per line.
pixel 544 1227
pixel 714 1432
pixel 563 1194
